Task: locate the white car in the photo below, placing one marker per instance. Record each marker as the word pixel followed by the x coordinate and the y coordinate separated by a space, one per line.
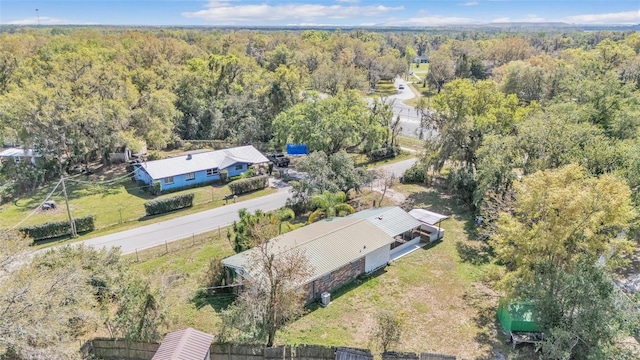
pixel 401 86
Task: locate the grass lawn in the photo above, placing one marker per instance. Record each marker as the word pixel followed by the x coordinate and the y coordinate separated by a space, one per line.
pixel 445 305
pixel 117 206
pixel 411 143
pixel 385 88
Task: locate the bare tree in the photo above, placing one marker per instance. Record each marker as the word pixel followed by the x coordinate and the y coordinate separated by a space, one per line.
pixel 388 330
pixel 386 178
pixel 272 293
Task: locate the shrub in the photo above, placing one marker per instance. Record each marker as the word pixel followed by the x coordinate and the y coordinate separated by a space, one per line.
pixel 224 176
pixel 384 153
pixel 154 156
pixel 155 188
pixel 414 174
pixel 251 184
pixel 56 229
pixel 160 206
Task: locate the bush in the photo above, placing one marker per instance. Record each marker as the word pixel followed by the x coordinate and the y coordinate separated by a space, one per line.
pixel 414 174
pixel 224 176
pixel 56 229
pixel 160 206
pixel 251 184
pixel 155 188
pixel 384 153
pixel 154 156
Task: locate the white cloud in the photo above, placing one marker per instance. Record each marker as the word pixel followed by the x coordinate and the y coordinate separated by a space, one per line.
pixel 626 17
pixel 435 20
pixel 223 12
pixel 533 18
pixel 44 20
pixel 348 1
pixel 501 20
pixel 470 3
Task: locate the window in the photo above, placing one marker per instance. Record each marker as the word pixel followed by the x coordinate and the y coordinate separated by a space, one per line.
pixel 214 171
pixel 168 180
pixel 239 167
pixel 191 176
pixel 327 278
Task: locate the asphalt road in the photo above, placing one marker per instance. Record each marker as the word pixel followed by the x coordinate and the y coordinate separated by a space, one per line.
pixel 409 116
pixel 179 228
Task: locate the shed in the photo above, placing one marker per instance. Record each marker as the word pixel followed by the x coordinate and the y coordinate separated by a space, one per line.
pixel 517 316
pixel 186 344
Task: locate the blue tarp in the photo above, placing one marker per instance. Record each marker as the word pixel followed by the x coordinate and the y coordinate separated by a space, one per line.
pixel 297 149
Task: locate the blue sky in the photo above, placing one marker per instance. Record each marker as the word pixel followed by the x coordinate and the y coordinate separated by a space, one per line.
pixel 316 12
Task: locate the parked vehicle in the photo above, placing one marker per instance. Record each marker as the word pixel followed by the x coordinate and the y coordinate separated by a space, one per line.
pixel 279 159
pixel 401 86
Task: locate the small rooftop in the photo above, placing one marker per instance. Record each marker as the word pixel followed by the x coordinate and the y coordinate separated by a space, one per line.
pixel 390 219
pixel 427 217
pixel 18 152
pixel 186 344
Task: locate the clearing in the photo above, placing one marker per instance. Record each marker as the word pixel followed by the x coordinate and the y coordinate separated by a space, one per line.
pixel 443 300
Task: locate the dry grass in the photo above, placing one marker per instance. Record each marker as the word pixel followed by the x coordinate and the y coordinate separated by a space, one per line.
pixel 445 307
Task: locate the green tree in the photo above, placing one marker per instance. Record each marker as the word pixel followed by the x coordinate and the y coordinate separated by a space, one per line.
pixel 329 205
pixel 563 221
pixel 271 296
pixel 330 125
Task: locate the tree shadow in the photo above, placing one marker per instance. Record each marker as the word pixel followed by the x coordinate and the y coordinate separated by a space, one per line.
pixel 441 200
pixel 218 301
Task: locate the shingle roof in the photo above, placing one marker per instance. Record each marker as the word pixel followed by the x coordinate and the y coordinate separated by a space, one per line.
pixel 220 159
pixel 390 219
pixel 187 344
pixel 427 217
pixel 328 244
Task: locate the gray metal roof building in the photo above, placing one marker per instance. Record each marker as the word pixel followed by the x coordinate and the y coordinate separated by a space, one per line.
pixel 220 159
pixel 390 219
pixel 186 344
pixel 328 244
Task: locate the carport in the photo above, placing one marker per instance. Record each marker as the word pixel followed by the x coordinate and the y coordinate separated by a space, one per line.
pixel 431 222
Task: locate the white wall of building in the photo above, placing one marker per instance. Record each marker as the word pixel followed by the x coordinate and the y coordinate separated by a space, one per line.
pixel 377 258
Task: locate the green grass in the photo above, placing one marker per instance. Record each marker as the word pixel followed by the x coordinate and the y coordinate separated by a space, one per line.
pixel 432 289
pixel 117 206
pixel 385 88
pixel 445 306
pixel 411 143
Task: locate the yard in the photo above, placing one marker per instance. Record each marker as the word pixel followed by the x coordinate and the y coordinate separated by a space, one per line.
pixel 117 206
pixel 443 301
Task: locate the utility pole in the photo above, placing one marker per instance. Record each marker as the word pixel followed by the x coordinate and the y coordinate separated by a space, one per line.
pixel 66 200
pixel 38 16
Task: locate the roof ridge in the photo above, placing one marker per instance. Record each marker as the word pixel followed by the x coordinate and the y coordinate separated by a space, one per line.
pixel 316 237
pixel 183 341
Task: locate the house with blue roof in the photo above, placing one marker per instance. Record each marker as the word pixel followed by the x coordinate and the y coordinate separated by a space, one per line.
pixel 201 168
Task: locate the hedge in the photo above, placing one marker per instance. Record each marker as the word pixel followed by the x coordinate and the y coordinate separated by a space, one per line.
pixel 414 174
pixel 56 229
pixel 160 206
pixel 245 185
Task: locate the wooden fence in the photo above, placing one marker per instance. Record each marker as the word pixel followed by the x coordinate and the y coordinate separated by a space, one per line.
pixel 112 349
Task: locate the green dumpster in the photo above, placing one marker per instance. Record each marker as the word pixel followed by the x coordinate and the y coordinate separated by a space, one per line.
pixel 517 316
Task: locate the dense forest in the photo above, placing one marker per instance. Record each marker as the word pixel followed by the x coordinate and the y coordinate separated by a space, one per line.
pixel 536 132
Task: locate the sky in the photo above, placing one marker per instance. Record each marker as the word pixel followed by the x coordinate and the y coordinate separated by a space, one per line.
pixel 315 12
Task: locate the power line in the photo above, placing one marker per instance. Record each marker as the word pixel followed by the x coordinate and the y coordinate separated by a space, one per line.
pixel 104 182
pixel 39 206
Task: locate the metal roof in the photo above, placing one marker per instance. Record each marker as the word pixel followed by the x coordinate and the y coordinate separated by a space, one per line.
pixel 390 219
pixel 186 344
pixel 17 152
pixel 328 244
pixel 220 159
pixel 427 217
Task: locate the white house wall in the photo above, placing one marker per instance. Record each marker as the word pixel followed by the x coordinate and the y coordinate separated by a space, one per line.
pixel 377 258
